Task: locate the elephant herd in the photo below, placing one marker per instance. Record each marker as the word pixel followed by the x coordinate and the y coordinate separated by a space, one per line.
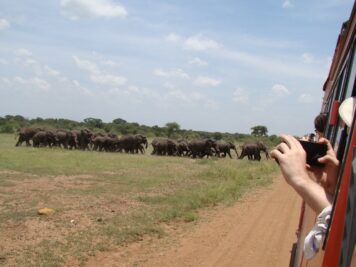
pixel 136 143
pixel 195 148
pixel 82 139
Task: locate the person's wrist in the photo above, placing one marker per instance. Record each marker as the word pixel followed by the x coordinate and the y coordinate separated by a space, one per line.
pixel 300 181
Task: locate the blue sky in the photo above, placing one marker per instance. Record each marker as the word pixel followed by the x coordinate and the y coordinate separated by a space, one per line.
pixel 209 65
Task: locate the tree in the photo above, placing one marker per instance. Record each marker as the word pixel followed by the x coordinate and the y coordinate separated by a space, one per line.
pixel 259 130
pixel 172 127
pixel 217 136
pixel 119 121
pixel 93 123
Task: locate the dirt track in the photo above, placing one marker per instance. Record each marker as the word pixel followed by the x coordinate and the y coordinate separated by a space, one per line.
pixel 257 231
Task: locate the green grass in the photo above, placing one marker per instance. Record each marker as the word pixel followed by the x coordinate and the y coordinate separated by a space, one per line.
pixel 113 198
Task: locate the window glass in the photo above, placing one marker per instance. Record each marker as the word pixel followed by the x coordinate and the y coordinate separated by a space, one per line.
pixel 351 77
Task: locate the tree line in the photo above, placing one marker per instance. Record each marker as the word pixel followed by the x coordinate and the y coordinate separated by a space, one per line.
pixel 119 126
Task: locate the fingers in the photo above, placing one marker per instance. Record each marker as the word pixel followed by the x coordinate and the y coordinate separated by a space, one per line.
pixel 282 147
pixel 328 144
pixel 276 154
pixel 291 141
pixel 287 139
pixel 329 159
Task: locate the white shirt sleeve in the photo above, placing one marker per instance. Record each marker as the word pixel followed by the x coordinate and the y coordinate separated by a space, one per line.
pixel 315 236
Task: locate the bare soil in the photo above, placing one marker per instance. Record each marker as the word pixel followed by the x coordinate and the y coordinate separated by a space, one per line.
pixel 257 231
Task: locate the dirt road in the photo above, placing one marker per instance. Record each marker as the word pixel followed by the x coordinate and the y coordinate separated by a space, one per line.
pixel 258 231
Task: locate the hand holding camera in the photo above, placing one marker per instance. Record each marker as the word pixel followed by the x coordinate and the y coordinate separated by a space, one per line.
pixel 314 152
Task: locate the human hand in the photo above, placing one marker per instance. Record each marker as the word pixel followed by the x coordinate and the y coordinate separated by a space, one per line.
pixel 292 160
pixel 328 174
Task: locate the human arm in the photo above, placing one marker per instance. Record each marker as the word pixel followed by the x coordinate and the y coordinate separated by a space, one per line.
pixel 292 161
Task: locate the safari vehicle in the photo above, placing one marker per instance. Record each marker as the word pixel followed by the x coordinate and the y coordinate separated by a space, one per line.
pixel 339 242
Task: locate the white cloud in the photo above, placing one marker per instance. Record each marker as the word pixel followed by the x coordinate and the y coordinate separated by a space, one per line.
pixel 305 99
pixel 86 65
pixel 22 52
pixel 197 61
pixel 5 80
pixel 3 61
pixel 206 81
pixel 81 88
pixel 173 38
pixel 240 96
pixel 77 9
pixel 179 95
pixel 307 58
pixel 108 79
pixel 4 24
pixel 193 98
pixel 98 76
pixel 40 83
pixel 200 43
pixel 34 65
pixel 109 62
pixel 174 73
pixel 34 83
pixel 279 90
pixel 169 85
pixel 51 72
pixel 287 4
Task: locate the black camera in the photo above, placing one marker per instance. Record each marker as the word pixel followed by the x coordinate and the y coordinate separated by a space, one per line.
pixel 314 152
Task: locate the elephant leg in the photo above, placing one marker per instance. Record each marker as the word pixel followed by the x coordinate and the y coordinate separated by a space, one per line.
pixel 142 149
pixel 228 152
pixel 27 142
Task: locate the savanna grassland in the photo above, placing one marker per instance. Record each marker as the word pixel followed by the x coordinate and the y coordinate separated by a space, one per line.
pixel 103 200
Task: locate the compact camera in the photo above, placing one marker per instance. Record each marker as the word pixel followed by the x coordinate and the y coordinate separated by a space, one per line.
pixel 314 151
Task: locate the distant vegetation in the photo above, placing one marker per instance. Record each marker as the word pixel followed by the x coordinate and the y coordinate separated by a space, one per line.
pixel 11 124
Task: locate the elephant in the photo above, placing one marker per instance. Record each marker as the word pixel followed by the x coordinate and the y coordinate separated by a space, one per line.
pixel 164 146
pixel 61 138
pixel 132 143
pixel 224 147
pixel 201 148
pixel 107 143
pixel 65 138
pixel 252 151
pixel 182 148
pixel 83 138
pixel 44 138
pixel 141 140
pixel 26 134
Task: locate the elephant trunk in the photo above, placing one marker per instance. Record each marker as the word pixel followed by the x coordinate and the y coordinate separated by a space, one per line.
pixel 237 154
pixel 241 155
pixel 267 154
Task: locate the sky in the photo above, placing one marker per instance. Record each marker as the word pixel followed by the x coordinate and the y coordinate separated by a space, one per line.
pixel 210 65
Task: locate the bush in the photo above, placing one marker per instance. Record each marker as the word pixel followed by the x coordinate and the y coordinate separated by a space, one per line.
pixel 7 129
